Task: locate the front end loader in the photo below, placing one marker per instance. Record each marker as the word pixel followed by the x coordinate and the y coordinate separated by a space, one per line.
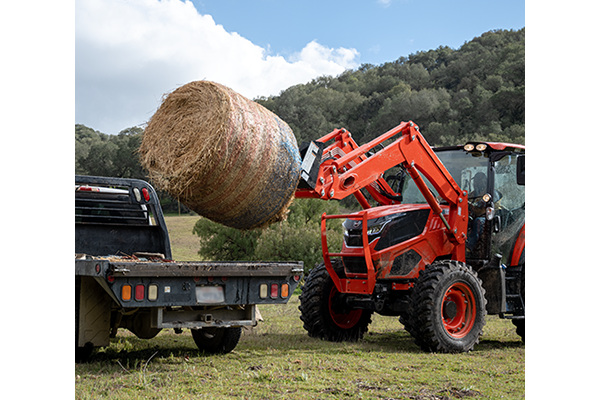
pixel 439 242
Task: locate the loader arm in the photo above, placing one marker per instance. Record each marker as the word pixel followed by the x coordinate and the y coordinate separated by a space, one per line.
pixel 343 168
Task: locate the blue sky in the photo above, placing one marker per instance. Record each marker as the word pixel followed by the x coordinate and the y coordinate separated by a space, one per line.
pixel 129 53
pixel 381 31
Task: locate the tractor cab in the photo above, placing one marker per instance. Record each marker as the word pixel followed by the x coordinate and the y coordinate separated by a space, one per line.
pixel 493 176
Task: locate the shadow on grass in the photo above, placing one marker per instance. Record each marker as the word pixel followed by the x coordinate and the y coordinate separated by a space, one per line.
pixel 131 358
pixel 132 351
pixel 491 344
pixel 137 350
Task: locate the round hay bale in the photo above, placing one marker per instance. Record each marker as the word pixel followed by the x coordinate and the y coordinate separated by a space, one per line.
pixel 222 155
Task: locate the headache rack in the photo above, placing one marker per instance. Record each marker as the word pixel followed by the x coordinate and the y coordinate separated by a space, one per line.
pixel 94 206
pixel 117 216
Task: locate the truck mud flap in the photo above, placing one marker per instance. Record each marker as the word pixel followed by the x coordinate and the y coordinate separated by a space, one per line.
pixel 93 308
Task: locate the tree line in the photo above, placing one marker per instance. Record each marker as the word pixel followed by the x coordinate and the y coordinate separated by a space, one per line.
pixel 476 92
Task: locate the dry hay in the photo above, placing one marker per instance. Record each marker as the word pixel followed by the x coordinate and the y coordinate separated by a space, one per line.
pixel 224 156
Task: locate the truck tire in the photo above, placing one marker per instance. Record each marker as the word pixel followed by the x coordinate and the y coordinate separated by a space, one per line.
pixel 217 340
pixel 520 325
pixel 448 308
pixel 323 312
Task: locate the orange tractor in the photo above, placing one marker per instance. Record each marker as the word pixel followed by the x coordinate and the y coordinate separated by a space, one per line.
pixel 443 247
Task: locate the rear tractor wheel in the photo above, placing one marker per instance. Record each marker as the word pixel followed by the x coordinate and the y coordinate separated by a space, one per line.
pixel 324 312
pixel 447 308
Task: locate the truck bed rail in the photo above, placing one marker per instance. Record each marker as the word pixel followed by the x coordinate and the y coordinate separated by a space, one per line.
pixel 134 268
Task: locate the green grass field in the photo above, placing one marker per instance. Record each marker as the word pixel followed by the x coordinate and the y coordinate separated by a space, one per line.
pixel 184 244
pixel 277 360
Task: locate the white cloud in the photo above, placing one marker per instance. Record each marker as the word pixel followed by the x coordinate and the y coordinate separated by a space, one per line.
pixel 130 52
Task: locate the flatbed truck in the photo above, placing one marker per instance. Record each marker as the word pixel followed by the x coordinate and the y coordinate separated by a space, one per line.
pixel 125 276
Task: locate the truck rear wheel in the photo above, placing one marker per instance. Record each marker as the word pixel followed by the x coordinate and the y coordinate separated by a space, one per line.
pixel 520 325
pixel 217 340
pixel 324 312
pixel 447 308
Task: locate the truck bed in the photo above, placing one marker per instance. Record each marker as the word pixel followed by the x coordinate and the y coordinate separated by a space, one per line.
pixel 150 283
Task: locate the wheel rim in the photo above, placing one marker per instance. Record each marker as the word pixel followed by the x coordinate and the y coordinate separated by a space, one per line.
pixel 343 320
pixel 458 310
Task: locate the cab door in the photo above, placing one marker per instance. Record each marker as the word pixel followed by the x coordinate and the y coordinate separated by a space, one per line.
pixel 509 211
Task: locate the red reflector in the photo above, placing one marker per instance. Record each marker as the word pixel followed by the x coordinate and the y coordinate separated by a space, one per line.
pixel 139 292
pixel 274 290
pixel 146 194
pixel 87 189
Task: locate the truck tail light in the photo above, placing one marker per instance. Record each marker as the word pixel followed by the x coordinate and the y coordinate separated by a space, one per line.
pixel 140 292
pixel 126 292
pixel 153 292
pixel 263 291
pixel 285 290
pixel 274 290
pixel 138 195
pixel 146 194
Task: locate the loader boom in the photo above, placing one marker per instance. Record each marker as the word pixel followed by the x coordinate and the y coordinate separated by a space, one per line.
pixel 344 168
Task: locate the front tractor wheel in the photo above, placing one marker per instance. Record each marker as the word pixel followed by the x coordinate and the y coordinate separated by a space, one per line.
pixel 324 312
pixel 447 308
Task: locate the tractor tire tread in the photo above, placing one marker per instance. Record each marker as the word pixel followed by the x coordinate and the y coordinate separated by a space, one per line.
pixel 424 323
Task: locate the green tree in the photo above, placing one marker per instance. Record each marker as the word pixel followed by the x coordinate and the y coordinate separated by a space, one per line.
pixel 97 153
pixel 220 242
pixel 471 92
pixel 297 238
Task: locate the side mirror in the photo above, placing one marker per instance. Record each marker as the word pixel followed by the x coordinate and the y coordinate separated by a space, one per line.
pixel 521 170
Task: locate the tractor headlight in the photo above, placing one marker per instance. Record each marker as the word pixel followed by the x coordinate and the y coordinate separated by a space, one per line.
pixel 375 229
